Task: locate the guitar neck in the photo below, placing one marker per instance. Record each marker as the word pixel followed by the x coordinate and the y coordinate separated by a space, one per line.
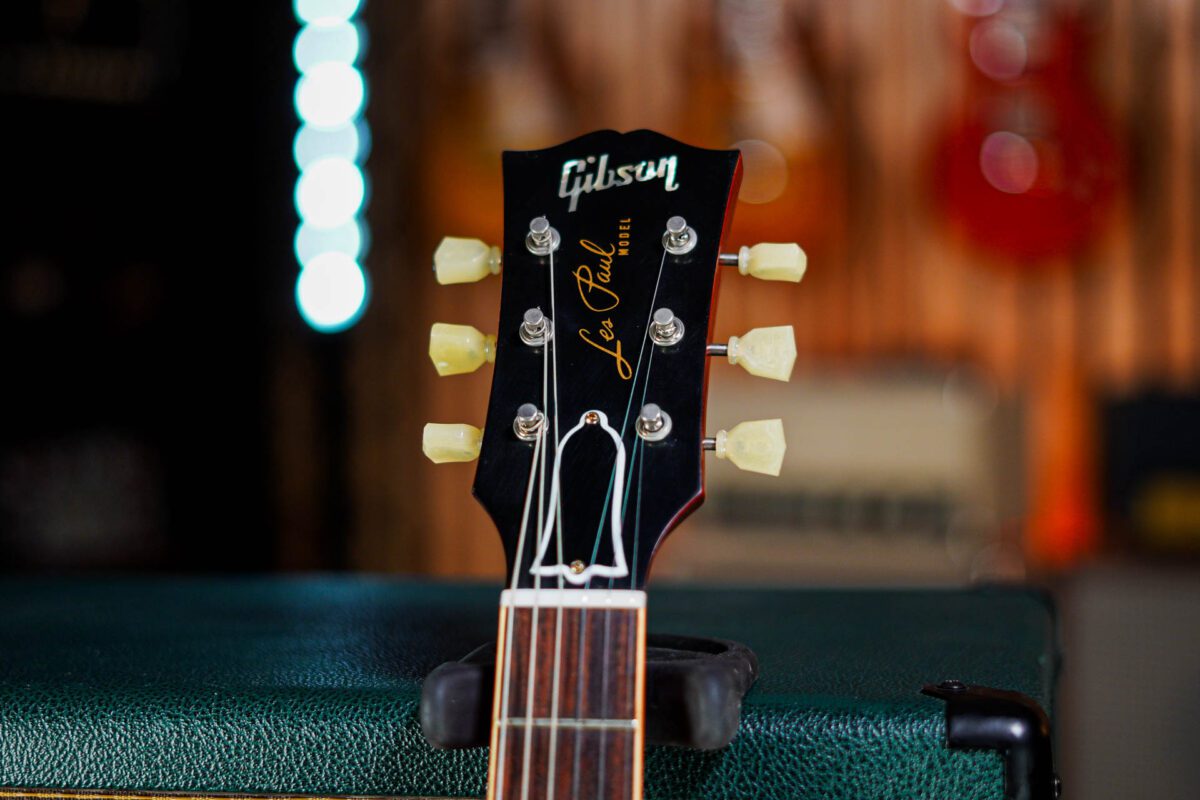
pixel 612 244
pixel 568 719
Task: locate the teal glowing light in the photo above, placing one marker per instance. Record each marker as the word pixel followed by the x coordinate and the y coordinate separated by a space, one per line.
pixel 330 95
pixel 330 192
pixel 331 292
pixel 318 44
pixel 346 239
pixel 312 143
pixel 325 12
pixel 332 289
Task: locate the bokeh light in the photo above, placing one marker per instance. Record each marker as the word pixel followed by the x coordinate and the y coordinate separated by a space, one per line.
pixel 1009 162
pixel 330 192
pixel 346 239
pixel 329 148
pixel 325 12
pixel 318 44
pixel 330 94
pixel 315 143
pixel 331 292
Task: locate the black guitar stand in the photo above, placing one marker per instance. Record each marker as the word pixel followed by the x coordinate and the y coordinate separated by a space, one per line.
pixel 694 691
pixel 1010 723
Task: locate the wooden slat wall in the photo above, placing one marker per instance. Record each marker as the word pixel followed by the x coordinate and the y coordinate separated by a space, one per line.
pixel 886 281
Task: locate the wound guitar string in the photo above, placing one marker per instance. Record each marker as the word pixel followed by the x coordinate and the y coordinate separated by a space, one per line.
pixel 549 356
pixel 537 473
pixel 506 668
pixel 557 512
pixel 527 753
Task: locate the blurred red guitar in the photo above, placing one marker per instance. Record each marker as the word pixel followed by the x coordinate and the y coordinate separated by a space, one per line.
pixel 1026 167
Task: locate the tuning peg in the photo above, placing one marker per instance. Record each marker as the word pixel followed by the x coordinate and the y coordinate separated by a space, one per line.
pixel 456 349
pixel 765 352
pixel 756 446
pixel 769 262
pixel 465 260
pixel 443 443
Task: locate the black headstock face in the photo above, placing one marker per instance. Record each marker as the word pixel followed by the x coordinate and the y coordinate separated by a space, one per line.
pixel 608 197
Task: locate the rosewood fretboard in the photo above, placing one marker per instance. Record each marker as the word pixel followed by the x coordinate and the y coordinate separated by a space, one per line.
pixel 584 740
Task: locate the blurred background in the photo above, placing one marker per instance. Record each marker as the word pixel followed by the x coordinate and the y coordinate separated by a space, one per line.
pixel 215 294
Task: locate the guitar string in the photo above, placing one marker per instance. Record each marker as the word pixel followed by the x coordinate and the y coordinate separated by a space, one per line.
pixel 629 407
pixel 637 513
pixel 638 457
pixel 600 528
pixel 506 669
pixel 537 472
pixel 557 511
pixel 527 753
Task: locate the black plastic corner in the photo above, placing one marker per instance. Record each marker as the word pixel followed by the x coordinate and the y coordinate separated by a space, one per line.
pixel 1009 722
pixel 694 691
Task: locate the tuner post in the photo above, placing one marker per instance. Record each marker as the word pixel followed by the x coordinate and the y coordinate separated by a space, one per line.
pixel 536 328
pixel 542 240
pixel 528 423
pixel 666 329
pixel 653 424
pixel 679 238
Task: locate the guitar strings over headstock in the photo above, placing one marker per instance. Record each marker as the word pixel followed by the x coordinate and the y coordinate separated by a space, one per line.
pixel 763 352
pixel 594 441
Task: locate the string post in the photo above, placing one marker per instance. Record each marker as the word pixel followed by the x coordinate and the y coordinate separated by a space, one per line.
pixel 536 328
pixel 653 424
pixel 679 238
pixel 542 239
pixel 529 422
pixel 666 329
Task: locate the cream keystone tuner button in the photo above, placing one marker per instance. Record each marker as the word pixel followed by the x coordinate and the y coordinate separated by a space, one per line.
pixel 765 352
pixel 457 349
pixel 756 446
pixel 465 260
pixel 447 442
pixel 773 262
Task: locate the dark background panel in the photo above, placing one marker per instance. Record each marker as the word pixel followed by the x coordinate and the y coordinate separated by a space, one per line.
pixel 146 237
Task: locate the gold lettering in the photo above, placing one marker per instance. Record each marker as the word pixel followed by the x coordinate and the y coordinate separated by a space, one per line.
pixel 592 247
pixel 623 367
pixel 605 258
pixel 586 285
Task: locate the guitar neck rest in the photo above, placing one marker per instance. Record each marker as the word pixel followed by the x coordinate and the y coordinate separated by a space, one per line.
pixel 694 692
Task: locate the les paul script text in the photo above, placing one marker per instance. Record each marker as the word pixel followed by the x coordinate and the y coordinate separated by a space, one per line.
pixel 594 282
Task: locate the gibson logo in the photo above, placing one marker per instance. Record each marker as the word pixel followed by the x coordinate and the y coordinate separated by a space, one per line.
pixel 578 177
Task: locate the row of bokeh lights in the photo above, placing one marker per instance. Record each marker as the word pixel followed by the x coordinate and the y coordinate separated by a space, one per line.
pixel 330 147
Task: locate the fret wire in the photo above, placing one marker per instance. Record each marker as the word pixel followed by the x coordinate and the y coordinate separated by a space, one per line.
pixel 616 725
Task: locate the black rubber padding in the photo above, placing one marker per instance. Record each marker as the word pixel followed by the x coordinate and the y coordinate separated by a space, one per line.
pixel 694 691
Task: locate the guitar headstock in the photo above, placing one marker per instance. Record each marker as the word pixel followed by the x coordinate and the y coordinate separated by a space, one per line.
pixel 593 445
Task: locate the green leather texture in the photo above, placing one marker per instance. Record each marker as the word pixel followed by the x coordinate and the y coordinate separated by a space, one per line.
pixel 310 685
